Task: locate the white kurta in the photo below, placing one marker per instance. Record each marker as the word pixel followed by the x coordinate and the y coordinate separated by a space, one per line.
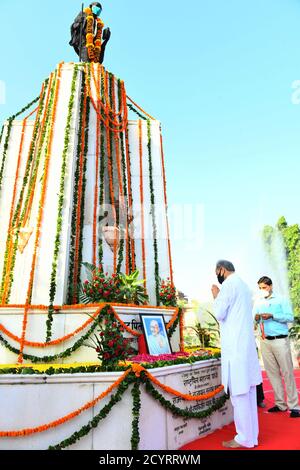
pixel 233 309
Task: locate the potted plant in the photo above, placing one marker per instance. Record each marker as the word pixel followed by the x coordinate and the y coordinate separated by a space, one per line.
pixel 118 288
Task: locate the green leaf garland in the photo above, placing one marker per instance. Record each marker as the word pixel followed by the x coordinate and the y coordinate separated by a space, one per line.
pixel 152 200
pixel 57 243
pixel 76 436
pixel 75 195
pixel 136 400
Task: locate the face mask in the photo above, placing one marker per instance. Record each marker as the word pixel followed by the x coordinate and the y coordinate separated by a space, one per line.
pixel 96 10
pixel 221 278
pixel 264 293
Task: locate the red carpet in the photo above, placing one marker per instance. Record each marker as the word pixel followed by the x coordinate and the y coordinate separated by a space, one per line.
pixel 277 431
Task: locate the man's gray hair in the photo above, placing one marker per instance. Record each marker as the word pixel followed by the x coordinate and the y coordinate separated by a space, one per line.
pixel 223 263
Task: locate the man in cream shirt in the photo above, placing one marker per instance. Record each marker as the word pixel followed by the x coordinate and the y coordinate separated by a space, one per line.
pixel 240 367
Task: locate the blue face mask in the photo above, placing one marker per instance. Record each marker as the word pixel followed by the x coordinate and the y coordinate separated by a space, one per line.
pixel 96 10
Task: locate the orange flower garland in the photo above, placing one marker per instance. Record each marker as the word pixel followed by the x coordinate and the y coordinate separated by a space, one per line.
pixel 55 341
pixel 65 419
pixel 98 307
pixel 93 46
pixel 185 396
pixel 131 240
pixel 117 150
pixel 40 216
pixel 141 109
pixel 107 120
pixel 96 190
pixel 166 208
pixel 137 369
pixel 10 240
pixel 174 317
pixel 10 228
pixel 181 326
pixel 142 201
pixel 80 186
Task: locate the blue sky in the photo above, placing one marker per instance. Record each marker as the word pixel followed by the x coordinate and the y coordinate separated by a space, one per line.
pixel 218 75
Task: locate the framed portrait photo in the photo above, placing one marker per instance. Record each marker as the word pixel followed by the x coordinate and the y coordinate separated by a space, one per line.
pixel 155 334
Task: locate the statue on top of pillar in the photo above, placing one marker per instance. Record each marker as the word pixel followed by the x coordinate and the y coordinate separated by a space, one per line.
pixel 88 36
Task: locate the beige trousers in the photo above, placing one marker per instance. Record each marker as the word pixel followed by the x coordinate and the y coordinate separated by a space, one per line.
pixel 278 362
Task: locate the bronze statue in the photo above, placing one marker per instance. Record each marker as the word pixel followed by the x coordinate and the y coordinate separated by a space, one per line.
pixel 88 37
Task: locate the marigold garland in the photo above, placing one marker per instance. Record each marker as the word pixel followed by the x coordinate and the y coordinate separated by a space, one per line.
pixel 185 396
pixel 217 404
pixel 108 117
pixel 72 289
pixel 125 191
pixel 99 309
pixel 111 169
pixel 110 174
pixel 121 206
pixel 141 109
pixel 141 374
pixel 152 210
pixel 166 207
pixel 93 45
pixel 65 419
pixel 181 328
pixel 96 186
pixel 95 421
pixel 57 242
pixel 131 237
pixel 142 202
pixel 6 143
pixel 55 341
pixel 81 195
pixel 11 245
pixel 101 176
pixel 40 215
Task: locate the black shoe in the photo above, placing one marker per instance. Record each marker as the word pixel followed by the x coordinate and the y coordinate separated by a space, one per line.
pixel 295 414
pixel 261 404
pixel 274 409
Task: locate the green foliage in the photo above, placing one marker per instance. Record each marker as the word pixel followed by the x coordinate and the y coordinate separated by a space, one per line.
pixel 120 288
pixel 76 436
pixel 215 404
pixel 291 240
pixel 55 357
pixel 132 289
pixel 294 332
pixel 207 335
pixel 136 407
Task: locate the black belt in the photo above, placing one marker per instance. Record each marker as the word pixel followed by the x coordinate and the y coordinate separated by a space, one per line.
pixel 277 337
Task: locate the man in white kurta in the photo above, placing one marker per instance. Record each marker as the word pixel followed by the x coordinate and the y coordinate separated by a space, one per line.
pixel 240 367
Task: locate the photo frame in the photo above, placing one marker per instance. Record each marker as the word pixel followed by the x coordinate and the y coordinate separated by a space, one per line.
pixel 155 333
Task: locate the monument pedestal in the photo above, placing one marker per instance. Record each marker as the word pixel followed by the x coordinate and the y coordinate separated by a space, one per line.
pixel 50 397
